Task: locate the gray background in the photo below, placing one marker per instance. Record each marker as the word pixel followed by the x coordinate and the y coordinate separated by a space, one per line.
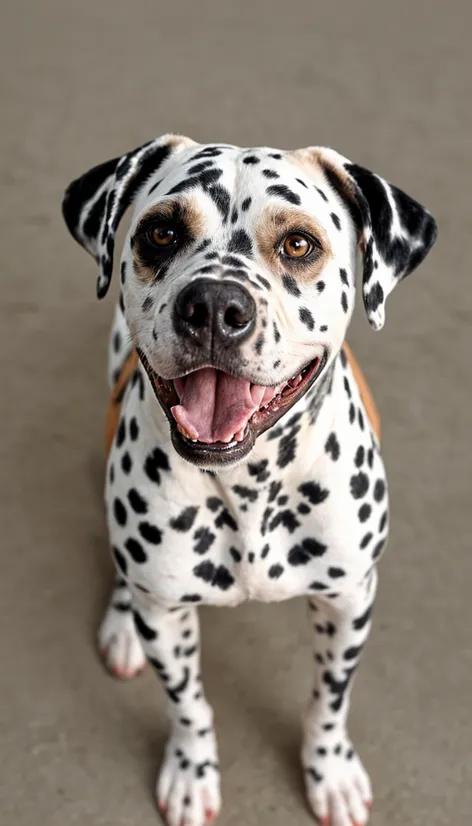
pixel 388 85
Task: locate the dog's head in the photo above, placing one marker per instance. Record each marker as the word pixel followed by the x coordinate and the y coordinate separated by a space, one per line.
pixel 238 273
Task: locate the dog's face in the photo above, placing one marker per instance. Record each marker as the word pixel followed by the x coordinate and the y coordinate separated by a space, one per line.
pixel 238 274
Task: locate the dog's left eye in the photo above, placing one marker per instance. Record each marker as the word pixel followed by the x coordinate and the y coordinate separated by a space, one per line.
pixel 297 245
pixel 163 235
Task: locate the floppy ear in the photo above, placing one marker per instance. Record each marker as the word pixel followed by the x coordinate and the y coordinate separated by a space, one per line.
pixel 395 231
pixel 94 204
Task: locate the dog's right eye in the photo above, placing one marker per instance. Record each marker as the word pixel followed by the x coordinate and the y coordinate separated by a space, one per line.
pixel 163 235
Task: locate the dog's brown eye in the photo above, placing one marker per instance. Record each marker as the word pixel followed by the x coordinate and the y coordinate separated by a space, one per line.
pixel 163 235
pixel 297 245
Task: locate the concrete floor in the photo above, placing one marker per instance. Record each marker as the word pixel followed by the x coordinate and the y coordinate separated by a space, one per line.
pixel 389 86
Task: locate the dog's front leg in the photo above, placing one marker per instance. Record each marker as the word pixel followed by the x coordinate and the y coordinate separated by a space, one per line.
pixel 338 787
pixel 188 787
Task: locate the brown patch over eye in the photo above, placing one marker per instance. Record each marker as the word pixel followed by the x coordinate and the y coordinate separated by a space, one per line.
pixel 167 228
pixel 163 235
pixel 297 245
pixel 291 240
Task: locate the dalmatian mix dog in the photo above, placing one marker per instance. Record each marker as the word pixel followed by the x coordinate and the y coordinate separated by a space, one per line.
pixel 244 465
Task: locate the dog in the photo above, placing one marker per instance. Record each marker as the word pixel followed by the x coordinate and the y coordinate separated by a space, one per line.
pixel 244 457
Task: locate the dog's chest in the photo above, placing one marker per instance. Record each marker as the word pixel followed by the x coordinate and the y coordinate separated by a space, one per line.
pixel 276 527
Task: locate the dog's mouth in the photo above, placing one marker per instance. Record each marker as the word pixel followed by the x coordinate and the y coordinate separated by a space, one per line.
pixel 216 417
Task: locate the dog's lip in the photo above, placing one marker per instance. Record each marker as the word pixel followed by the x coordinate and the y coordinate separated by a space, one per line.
pixel 261 420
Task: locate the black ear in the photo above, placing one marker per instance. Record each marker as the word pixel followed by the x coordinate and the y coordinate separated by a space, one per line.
pixel 94 204
pixel 395 231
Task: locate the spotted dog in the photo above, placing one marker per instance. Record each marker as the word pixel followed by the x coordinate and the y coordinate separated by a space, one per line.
pixel 244 464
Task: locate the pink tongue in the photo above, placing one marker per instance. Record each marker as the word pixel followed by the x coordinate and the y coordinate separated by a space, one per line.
pixel 214 405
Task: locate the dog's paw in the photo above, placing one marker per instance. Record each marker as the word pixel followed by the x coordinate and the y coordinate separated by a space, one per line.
pixel 119 644
pixel 188 786
pixel 338 787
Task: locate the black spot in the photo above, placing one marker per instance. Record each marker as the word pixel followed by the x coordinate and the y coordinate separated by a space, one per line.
pixel 320 286
pixel 219 577
pixel 234 215
pixel 200 167
pixel 225 518
pixel 119 511
pixel 360 622
pixel 259 344
pixel 378 549
pixel 121 433
pixel 120 560
pixel 246 493
pixel 379 490
pixel 126 463
pixel 184 521
pixel 265 551
pixel 191 598
pixel 259 470
pixel 360 456
pixel 143 629
pixel 344 303
pixel 374 298
pixel 286 518
pixel 265 283
pixel 365 541
pixel 344 278
pixel 303 508
pixel 383 521
pixel 240 242
pixel 246 204
pixel 236 555
pixel 282 191
pixel 150 532
pixel 116 341
pixel 203 246
pixel 307 550
pixel 359 485
pixel 335 220
pixel 213 503
pixel 299 180
pixel 291 285
pixel 275 571
pixel 360 419
pixel 251 159
pixel 137 502
pixel 320 192
pixel 133 429
pixel 147 303
pixel 251 557
pixel 364 512
pixel 123 271
pixel 352 413
pixel 332 447
pixel 313 492
pixel 112 474
pixel 204 539
pixel 306 317
pixel 155 463
pixel 353 652
pixel 335 573
pixel 287 448
pixel 136 551
pixel 270 173
pixel 347 387
pixel 274 490
pixel 318 586
pixel 282 500
pixel 314 774
pixel 275 155
pixel 370 457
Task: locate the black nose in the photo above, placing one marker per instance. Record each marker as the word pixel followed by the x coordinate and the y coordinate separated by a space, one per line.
pixel 214 312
